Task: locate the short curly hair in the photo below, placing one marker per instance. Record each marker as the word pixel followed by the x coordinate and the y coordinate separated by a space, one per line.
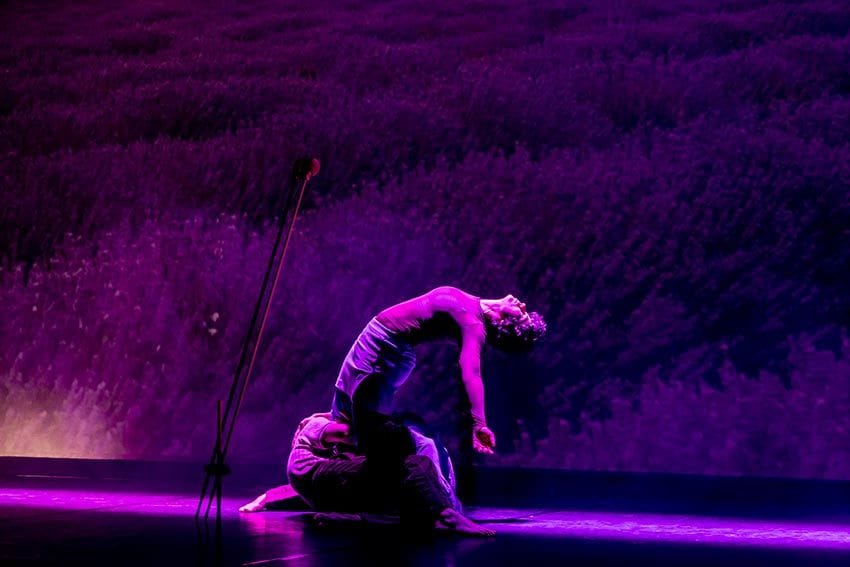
pixel 517 333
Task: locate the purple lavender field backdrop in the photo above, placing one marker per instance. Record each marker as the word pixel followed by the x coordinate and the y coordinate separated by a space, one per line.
pixel 667 182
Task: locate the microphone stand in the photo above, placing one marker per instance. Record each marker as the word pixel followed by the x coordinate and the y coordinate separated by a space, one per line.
pixel 216 469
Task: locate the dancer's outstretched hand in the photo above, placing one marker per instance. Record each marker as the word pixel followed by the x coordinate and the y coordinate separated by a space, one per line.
pixel 483 440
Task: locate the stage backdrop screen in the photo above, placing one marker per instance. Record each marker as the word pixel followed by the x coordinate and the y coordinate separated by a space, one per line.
pixel 665 182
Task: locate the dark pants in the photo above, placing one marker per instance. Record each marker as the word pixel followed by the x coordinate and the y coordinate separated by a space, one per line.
pixel 380 437
pixel 386 439
pixel 356 485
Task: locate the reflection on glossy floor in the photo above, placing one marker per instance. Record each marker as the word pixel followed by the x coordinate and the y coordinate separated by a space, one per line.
pixel 49 523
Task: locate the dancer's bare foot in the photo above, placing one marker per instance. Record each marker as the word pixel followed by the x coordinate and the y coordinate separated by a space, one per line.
pixel 258 504
pixel 453 521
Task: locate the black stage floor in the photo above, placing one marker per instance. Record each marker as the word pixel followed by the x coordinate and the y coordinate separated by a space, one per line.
pixel 50 520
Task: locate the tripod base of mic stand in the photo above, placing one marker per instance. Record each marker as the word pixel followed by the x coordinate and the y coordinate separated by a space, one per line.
pixel 216 470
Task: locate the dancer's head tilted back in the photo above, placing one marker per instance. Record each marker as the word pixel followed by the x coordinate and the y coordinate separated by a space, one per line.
pixel 510 327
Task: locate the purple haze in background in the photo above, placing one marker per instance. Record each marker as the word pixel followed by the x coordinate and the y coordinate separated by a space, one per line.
pixel 666 182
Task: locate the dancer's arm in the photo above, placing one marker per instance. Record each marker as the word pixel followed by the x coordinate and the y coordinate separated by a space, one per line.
pixel 324 415
pixel 456 302
pixel 483 439
pixel 336 433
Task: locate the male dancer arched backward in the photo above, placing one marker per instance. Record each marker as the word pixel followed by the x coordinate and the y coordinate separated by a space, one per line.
pixel 383 357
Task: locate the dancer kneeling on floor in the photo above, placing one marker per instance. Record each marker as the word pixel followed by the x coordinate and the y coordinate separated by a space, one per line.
pixel 390 479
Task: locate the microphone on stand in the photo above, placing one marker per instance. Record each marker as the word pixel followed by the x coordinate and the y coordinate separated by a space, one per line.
pixel 305 168
pixel 302 170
